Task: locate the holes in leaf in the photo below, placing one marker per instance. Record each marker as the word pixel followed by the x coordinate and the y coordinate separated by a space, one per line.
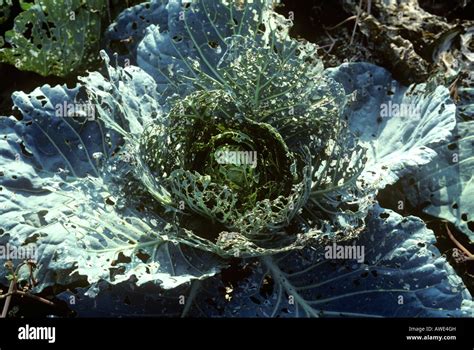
pixel 18 116
pixel 442 108
pixel 31 239
pixel 266 289
pixel 452 146
pixel 464 216
pixel 213 44
pixel 82 98
pixel 308 59
pixel 109 201
pixel 455 206
pixel 47 27
pixel 384 215
pixel 262 28
pixel 24 151
pixel 134 25
pixel 28 31
pixel 115 271
pixel 470 225
pixel 42 100
pixel 119 46
pixel 177 38
pixel 421 244
pixel 143 256
pixel 121 259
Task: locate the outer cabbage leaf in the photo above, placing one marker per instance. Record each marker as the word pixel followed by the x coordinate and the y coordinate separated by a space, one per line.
pixel 124 35
pixel 396 145
pixel 127 300
pixel 194 39
pixel 61 137
pixel 445 187
pixel 403 275
pixel 126 100
pixel 465 104
pixel 54 37
pixel 85 226
pixel 72 244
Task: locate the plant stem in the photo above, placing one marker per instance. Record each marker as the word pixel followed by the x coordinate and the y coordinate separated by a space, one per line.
pixel 35 297
pixel 469 255
pixel 11 289
pixel 341 23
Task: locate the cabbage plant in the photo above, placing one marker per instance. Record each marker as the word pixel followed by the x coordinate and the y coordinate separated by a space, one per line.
pixel 215 136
